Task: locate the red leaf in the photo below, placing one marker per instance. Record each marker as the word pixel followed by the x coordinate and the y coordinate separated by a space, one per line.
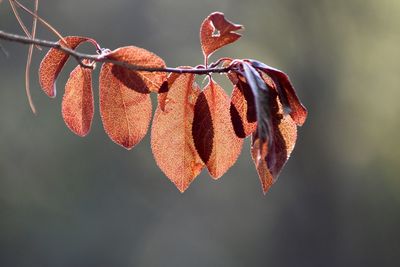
pixel 54 61
pixel 138 57
pixel 78 103
pixel 270 163
pixel 213 134
pixel 171 135
pixel 164 89
pixel 125 112
pixel 243 113
pixel 216 32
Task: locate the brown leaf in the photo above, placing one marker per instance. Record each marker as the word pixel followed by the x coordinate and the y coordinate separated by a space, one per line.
pixel 262 99
pixel 54 61
pixel 216 32
pixel 138 57
pixel 242 109
pixel 171 134
pixel 126 113
pixel 270 163
pixel 287 93
pixel 78 103
pixel 213 134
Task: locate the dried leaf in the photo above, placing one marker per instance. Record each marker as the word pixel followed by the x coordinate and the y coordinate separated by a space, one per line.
pixel 138 57
pixel 262 99
pixel 270 163
pixel 126 113
pixel 242 109
pixel 54 61
pixel 213 134
pixel 216 31
pixel 287 93
pixel 171 134
pixel 78 103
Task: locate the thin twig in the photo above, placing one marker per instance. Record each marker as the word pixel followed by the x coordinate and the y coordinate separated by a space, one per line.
pixel 102 58
pixel 29 60
pixel 20 22
pixel 18 17
pixel 45 23
pixel 3 50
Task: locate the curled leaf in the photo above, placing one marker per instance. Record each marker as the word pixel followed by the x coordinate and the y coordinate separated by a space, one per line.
pixel 216 31
pixel 269 160
pixel 286 91
pixel 213 134
pixel 262 99
pixel 55 60
pixel 78 103
pixel 125 112
pixel 171 134
pixel 139 57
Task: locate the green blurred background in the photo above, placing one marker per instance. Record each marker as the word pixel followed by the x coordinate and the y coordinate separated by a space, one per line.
pixel 68 201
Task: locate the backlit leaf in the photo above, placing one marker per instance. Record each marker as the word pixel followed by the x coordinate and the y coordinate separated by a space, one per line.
pixel 162 96
pixel 54 61
pixel 138 57
pixel 270 163
pixel 213 134
pixel 125 112
pixel 171 134
pixel 77 103
pixel 216 31
pixel 242 109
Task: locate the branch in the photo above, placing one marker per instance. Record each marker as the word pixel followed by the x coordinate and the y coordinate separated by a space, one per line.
pixel 101 58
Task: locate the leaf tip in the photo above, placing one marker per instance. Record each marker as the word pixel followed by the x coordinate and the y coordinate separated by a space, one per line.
pixel 182 189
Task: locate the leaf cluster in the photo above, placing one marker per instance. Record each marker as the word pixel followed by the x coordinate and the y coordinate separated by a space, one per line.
pixel 192 128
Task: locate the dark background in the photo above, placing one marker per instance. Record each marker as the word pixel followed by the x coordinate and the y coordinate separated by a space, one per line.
pixel 68 201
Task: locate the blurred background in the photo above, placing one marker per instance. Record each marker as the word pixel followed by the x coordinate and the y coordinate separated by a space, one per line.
pixel 68 201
